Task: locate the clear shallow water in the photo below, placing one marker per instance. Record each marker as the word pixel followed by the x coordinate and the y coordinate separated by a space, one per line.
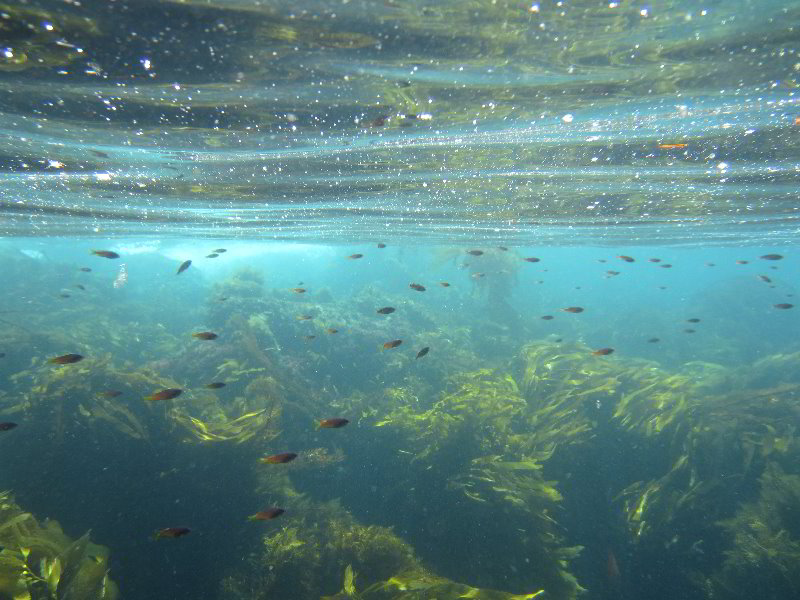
pixel 319 121
pixel 520 161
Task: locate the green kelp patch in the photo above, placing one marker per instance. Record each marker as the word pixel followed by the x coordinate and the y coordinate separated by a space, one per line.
pixel 39 562
pixel 308 555
pixel 765 536
pixel 481 446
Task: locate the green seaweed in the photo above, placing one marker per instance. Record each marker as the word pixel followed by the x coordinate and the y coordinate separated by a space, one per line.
pixel 39 562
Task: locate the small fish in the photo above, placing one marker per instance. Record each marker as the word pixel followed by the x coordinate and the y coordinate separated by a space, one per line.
pixel 532 259
pixel 693 320
pixel 503 248
pixel 219 251
pixel 304 317
pixel 171 532
pixel 299 290
pixel 603 351
pixel 772 257
pixel 65 359
pixel 184 265
pixel 573 309
pixel 765 279
pixel 475 252
pixel 167 394
pixel 215 385
pixel 2 354
pixel 278 459
pixel 547 317
pixel 205 335
pixel 266 515
pixel 386 310
pixel 212 255
pixel 423 352
pixel 334 423
pixel 478 275
pixel 85 269
pixel 612 273
pixel 80 287
pixel 331 330
pixel 672 146
pixel 99 154
pixel 666 266
pixel 444 284
pixel 742 262
pixel 64 295
pixel 711 264
pixel 7 426
pixel 381 245
pixel 626 258
pixel 417 286
pixel 784 305
pixel 653 340
pixel 355 256
pixel 654 260
pixel 109 394
pixel 308 338
pixel 392 344
pixel 689 330
pixel 105 253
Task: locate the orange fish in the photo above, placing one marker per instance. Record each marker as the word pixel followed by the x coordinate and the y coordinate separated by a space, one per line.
pixel 266 515
pixel 573 309
pixel 334 423
pixel 603 351
pixel 167 394
pixel 626 258
pixel 205 335
pixel 278 459
pixel 170 532
pixel 105 253
pixel 65 359
pixel 417 286
pixel 671 146
pixel 392 344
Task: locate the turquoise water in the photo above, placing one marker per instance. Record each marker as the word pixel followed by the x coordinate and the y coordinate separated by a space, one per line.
pixel 599 200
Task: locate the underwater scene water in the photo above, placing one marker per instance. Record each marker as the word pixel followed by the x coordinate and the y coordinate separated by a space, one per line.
pixel 399 300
